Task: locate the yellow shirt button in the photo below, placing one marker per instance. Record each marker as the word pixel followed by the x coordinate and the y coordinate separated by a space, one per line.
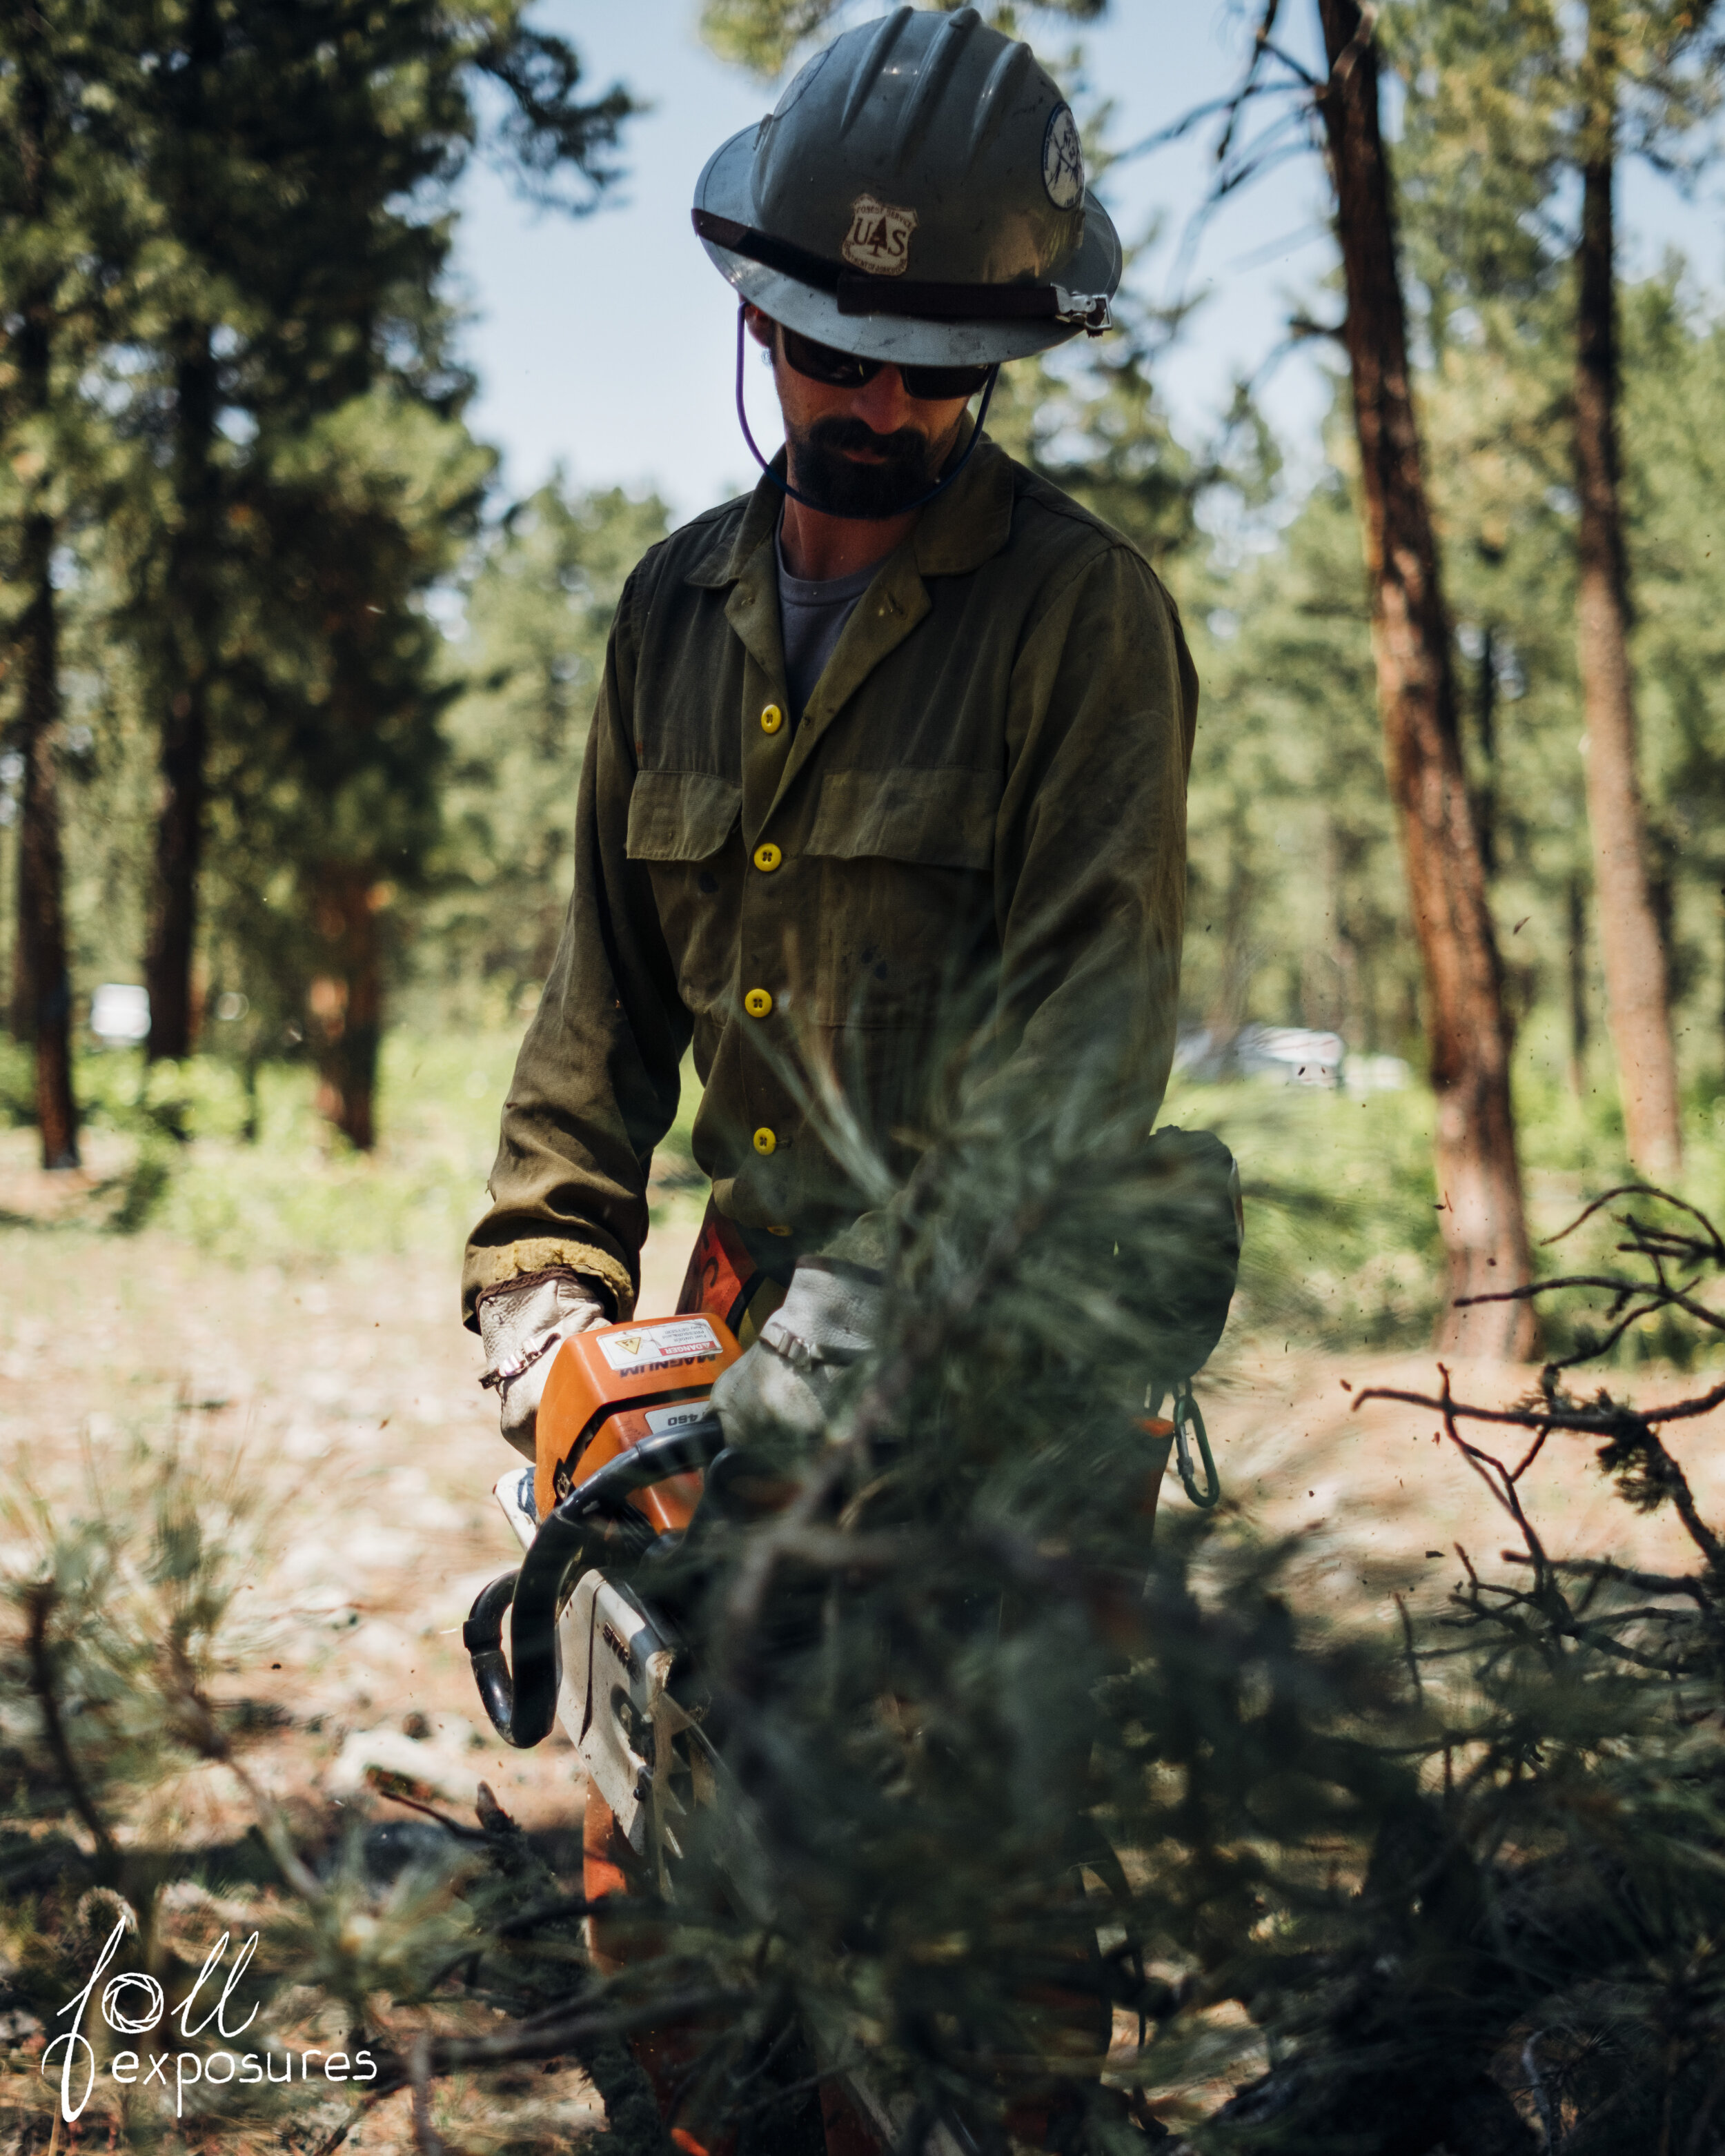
pixel 772 719
pixel 758 1003
pixel 767 858
pixel 765 1141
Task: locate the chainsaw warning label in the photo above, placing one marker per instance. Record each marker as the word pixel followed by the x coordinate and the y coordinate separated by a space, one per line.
pixel 634 1350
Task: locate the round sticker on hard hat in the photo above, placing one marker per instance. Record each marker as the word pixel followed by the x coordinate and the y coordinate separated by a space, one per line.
pixel 1063 159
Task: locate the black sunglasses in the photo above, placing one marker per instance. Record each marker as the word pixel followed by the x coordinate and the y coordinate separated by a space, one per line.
pixel 844 370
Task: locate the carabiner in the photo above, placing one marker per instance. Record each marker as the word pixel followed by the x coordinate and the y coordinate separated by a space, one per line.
pixel 1189 1421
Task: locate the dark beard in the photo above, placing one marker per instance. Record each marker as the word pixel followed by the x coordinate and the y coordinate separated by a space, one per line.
pixel 834 483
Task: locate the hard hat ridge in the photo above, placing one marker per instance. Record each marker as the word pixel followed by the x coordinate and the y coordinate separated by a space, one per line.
pixel 1005 81
pixel 945 53
pixel 917 197
pixel 869 64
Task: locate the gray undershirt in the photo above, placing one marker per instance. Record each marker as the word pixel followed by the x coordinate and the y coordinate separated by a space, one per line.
pixel 812 615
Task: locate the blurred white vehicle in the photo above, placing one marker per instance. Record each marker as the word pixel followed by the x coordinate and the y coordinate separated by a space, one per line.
pixel 119 1013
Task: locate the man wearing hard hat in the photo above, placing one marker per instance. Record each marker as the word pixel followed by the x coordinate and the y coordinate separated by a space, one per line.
pixel 905 714
pixel 903 718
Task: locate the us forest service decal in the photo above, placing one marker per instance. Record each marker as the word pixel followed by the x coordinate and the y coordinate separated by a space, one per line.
pixel 879 239
pixel 1063 159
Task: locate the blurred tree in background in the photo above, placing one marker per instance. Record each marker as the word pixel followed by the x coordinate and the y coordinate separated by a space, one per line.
pixel 1468 1037
pixel 266 194
pixel 67 221
pixel 334 786
pixel 298 163
pixel 1507 114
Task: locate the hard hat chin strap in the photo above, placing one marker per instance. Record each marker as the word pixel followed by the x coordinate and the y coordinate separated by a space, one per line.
pixel 784 486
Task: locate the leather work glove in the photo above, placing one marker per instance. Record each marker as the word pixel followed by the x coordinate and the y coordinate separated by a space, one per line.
pixel 778 1397
pixel 523 1323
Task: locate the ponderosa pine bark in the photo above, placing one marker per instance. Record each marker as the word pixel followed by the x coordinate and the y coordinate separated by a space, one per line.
pixel 1637 987
pixel 1479 1183
pixel 1484 799
pixel 345 1002
pixel 1578 987
pixel 42 975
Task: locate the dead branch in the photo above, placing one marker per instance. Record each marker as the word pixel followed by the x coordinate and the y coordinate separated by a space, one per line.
pixel 548 2035
pixel 1261 45
pixel 1716 1245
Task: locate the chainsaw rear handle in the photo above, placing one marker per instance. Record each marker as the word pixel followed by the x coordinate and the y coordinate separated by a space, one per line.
pixel 482 1636
pixel 523 1705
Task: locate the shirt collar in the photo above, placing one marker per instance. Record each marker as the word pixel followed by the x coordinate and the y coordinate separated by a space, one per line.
pixel 972 521
pixel 734 545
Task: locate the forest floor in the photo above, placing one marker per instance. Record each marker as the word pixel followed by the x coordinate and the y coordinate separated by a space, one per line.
pixel 339 1398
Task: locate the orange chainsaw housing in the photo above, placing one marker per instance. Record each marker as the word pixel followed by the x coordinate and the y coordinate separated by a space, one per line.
pixel 609 1388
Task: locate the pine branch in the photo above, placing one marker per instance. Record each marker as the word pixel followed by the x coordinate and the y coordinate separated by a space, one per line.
pixel 40 1599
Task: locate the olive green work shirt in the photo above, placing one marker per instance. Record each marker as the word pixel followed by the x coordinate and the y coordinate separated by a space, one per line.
pixel 987 791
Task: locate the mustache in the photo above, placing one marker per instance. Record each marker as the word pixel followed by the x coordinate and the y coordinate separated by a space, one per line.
pixel 840 431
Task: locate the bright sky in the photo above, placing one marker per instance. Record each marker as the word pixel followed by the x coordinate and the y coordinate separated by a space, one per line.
pixel 608 342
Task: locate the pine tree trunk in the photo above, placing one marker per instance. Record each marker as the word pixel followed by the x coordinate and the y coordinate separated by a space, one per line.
pixel 1578 989
pixel 1485 802
pixel 1637 995
pixel 43 1011
pixel 189 635
pixel 1479 1179
pixel 345 1002
pixel 41 914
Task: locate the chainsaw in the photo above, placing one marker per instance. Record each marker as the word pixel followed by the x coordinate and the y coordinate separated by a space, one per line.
pixel 625 1439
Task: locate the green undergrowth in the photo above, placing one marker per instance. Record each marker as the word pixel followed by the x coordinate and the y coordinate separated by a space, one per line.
pixel 242 1168
pixel 1342 1251
pixel 296 1188
pixel 1343 1248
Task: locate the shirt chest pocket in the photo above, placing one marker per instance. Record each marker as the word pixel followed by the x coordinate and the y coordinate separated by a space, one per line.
pixel 906 914
pixel 682 829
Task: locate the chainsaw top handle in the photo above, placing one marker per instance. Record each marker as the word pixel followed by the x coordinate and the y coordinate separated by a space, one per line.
pixel 523 1707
